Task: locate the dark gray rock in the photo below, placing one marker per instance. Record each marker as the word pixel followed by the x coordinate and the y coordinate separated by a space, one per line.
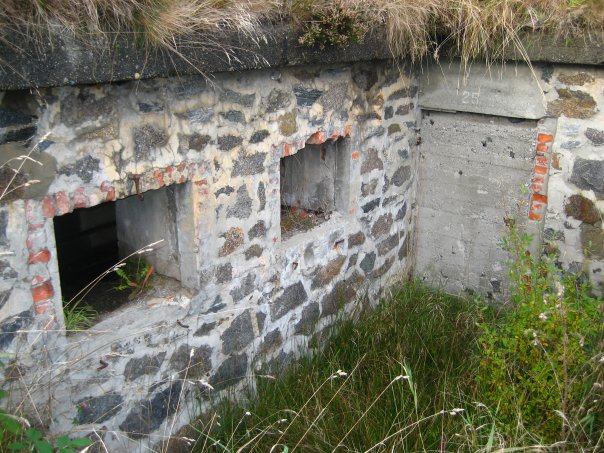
pixel 204 329
pixel 233 239
pixel 198 142
pixel 198 116
pixel 335 98
pixel 148 415
pixel 245 289
pixel 147 138
pixel 255 251
pixel 371 161
pixel 368 207
pixel 243 205
pixel 19 135
pixel 549 234
pixel 97 409
pixel 7 271
pixel 259 136
pixel 239 334
pixel 595 136
pixel 401 175
pixel 308 319
pixel 404 109
pixel 365 78
pixel 368 262
pixel 13 118
pixel 394 128
pixel 195 366
pixel 230 372
pixel 4 295
pixel 400 215
pixel 388 112
pixel 389 200
pixel 403 93
pixel 271 342
pixel 224 273
pixel 261 193
pixel 325 274
pixel 251 164
pixel 83 107
pixel 388 244
pixel 352 261
pixel 363 117
pixel 84 168
pixel 226 190
pixel 342 293
pixel 217 305
pixel 260 318
pixel 382 225
pixel 292 297
pixel 375 132
pixel 354 240
pixel 246 100
pixel 277 100
pixel 234 116
pixel 403 153
pixel 257 231
pixel 381 271
pixel 306 97
pixel 10 326
pixel 228 142
pixel 148 364
pixel 589 175
pixel 149 107
pixel 571 144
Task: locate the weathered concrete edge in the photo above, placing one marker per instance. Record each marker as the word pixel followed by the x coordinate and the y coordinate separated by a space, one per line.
pixel 63 60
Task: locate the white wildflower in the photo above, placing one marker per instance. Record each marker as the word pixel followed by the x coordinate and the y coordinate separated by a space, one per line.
pixel 543 316
pixel 206 384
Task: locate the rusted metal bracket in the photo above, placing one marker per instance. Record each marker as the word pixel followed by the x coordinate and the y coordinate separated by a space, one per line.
pixel 137 184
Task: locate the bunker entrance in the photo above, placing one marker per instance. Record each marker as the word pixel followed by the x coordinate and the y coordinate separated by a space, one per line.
pixel 314 184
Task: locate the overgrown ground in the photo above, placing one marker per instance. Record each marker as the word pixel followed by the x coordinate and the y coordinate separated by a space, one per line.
pixel 426 371
pixel 415 27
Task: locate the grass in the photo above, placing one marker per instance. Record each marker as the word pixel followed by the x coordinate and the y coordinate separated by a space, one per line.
pixel 401 378
pixel 415 27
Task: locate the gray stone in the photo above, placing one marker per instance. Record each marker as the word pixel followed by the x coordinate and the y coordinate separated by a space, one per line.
pixel 10 326
pixel 382 225
pixel 148 364
pixel 195 366
pixel 239 334
pixel 404 109
pixel 573 104
pixel 403 93
pixel 233 239
pixel 97 409
pixel 389 200
pixel 354 240
pixel 228 142
pixel 277 100
pixel 7 271
pixel 375 132
pixel 388 244
pixel 589 175
pixel 595 136
pixel 148 415
pixel 369 188
pixel 325 274
pixel 78 109
pixel 19 135
pixel 352 261
pixel 226 190
pixel 198 142
pixel 368 207
pixel 400 215
pixel 259 136
pixel 549 234
pixel 251 164
pixel 401 176
pixel 371 161
pixel 255 251
pixel 234 116
pixel 335 98
pixel 260 318
pixel 403 153
pixel 308 319
pixel 230 372
pixel 245 289
pixel 306 97
pixel 217 306
pixel 261 193
pixel 204 329
pixel 368 262
pixel 257 231
pixel 571 144
pixel 198 116
pixel 4 295
pixel 146 107
pixel 365 78
pixel 243 205
pixel 388 112
pixel 147 138
pixel 12 118
pixel 292 297
pixel 394 128
pixel 247 100
pixel 342 293
pixel 271 342
pixel 363 117
pixel 381 271
pixel 224 273
pixel 84 168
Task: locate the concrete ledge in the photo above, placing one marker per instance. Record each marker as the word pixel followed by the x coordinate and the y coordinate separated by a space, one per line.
pixel 64 60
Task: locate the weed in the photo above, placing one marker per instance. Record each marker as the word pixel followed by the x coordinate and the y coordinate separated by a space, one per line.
pixel 78 315
pixel 135 275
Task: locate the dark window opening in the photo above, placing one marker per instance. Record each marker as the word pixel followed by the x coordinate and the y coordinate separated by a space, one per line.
pixel 314 185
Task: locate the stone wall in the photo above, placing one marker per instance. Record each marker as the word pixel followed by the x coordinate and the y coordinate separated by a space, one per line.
pixel 247 297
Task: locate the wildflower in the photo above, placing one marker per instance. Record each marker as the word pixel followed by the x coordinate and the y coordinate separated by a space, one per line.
pixel 338 374
pixel 543 316
pixel 206 384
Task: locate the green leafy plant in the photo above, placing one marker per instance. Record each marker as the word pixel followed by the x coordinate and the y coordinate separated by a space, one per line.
pixel 134 275
pixel 78 315
pixel 541 356
pixel 17 435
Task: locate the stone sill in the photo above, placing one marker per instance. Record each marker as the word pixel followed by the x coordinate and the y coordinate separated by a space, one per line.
pixel 67 61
